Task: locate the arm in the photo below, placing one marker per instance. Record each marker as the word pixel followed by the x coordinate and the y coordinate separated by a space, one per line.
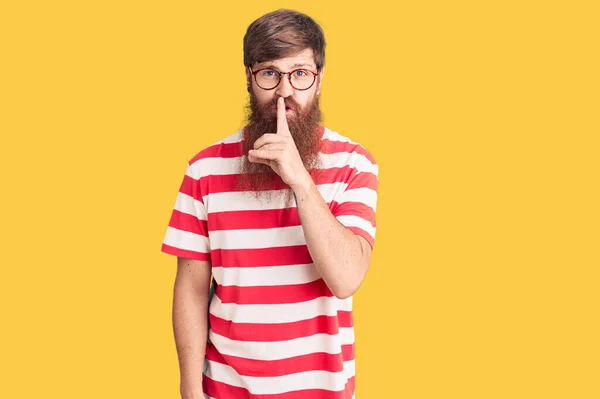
pixel 190 323
pixel 340 256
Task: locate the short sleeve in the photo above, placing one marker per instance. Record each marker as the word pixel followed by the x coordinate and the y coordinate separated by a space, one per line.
pixel 356 205
pixel 187 232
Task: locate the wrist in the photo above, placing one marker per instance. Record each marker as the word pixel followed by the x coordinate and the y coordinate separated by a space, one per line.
pixel 192 393
pixel 303 187
pixel 191 386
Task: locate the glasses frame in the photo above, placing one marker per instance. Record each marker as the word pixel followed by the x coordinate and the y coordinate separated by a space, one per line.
pixel 289 74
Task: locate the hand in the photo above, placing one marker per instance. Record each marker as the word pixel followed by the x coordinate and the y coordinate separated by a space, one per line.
pixel 279 151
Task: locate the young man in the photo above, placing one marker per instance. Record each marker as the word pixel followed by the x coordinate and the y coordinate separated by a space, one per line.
pixel 282 215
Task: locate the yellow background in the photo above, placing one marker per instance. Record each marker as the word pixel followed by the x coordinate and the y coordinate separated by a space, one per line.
pixel 483 117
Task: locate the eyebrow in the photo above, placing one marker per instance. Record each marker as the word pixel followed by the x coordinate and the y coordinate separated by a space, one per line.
pixel 297 65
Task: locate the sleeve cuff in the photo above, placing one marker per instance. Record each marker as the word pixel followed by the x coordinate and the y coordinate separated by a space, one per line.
pixel 184 253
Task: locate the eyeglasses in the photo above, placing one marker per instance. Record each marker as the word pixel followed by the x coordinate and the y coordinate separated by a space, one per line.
pixel 269 78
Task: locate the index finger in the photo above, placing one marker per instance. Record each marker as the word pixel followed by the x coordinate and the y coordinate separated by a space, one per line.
pixel 282 125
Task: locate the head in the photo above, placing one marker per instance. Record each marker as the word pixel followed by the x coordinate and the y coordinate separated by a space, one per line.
pixel 283 41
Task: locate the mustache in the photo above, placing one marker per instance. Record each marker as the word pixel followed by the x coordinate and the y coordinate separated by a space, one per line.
pixel 269 109
pixel 262 116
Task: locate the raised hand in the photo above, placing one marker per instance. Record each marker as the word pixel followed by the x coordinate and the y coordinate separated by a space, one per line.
pixel 279 151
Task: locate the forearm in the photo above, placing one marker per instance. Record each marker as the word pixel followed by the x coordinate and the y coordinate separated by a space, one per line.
pixel 337 252
pixel 190 326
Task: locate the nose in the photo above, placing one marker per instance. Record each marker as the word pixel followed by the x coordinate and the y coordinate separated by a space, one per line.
pixel 284 89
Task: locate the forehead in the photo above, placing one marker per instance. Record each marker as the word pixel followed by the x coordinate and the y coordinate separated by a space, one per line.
pixel 304 58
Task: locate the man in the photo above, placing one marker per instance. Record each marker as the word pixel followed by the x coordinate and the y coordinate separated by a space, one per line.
pixel 281 214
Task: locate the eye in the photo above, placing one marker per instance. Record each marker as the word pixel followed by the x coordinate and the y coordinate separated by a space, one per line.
pixel 268 72
pixel 300 73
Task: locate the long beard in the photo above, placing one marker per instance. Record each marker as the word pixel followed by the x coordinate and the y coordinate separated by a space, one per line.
pixel 305 130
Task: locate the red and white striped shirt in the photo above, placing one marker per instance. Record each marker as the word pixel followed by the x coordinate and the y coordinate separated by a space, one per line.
pixel 276 330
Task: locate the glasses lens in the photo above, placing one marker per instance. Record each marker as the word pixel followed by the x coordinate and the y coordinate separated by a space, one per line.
pixel 302 79
pixel 267 78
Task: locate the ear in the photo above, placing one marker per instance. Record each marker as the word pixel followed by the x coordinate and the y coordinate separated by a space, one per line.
pixel 320 79
pixel 248 79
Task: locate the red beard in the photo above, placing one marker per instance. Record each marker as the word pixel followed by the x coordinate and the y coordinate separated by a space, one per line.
pixel 305 130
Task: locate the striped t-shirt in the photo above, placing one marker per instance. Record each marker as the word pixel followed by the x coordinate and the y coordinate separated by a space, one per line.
pixel 275 329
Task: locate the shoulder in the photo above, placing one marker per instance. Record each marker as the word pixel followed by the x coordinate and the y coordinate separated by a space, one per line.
pixel 225 151
pixel 348 151
pixel 224 148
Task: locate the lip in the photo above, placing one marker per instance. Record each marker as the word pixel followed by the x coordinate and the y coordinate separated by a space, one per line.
pixel 287 109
